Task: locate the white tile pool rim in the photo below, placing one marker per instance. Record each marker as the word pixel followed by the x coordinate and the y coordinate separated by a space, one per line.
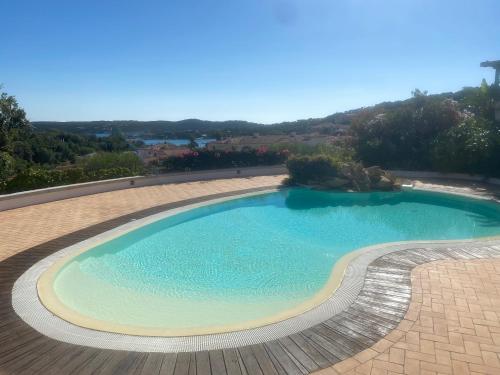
pixel 27 305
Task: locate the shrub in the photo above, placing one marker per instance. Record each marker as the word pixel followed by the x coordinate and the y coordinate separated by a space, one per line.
pixel 34 178
pixel 112 160
pixel 328 173
pixel 7 164
pixel 470 147
pixel 108 173
pixel 309 169
pixel 38 178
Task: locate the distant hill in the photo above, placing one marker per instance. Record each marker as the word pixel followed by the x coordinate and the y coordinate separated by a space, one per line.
pixel 130 126
pixel 195 127
pixel 187 127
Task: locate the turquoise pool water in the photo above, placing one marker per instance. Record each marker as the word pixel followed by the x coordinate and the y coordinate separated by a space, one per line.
pixel 251 258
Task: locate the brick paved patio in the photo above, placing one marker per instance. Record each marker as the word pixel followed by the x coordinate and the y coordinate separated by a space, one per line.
pixel 452 325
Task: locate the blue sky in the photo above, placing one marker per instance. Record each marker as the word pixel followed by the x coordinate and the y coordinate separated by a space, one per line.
pixel 256 60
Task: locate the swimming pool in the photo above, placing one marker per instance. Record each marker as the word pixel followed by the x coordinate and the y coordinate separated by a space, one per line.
pixel 245 262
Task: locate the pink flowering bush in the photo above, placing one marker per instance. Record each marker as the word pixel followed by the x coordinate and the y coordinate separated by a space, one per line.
pixel 209 159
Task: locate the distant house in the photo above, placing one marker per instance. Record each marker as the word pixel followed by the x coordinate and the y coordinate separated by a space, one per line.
pixel 257 141
pixel 156 153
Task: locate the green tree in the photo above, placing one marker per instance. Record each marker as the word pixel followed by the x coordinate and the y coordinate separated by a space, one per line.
pixel 478 100
pixel 15 129
pixel 401 135
pixel 7 165
pixel 14 126
pixel 470 147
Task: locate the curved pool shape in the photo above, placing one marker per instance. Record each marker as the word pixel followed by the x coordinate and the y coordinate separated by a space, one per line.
pixel 246 262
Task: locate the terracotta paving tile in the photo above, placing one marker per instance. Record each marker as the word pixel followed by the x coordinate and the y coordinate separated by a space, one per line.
pixel 389 366
pixel 397 355
pixel 472 348
pixel 395 335
pixel 382 345
pixel 466 358
pixel 365 368
pixel 460 368
pixel 366 355
pixel 481 369
pixel 346 365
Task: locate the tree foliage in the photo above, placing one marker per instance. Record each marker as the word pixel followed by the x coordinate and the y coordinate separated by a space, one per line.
pixel 27 156
pixel 449 133
pixel 324 171
pixel 37 177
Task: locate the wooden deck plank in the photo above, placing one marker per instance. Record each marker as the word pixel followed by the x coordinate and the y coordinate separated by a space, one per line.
pixel 182 364
pixel 168 364
pixel 297 363
pixel 299 354
pixel 231 362
pixel 192 363
pixel 21 348
pixel 217 364
pixel 364 306
pixel 112 365
pixel 24 363
pixel 47 360
pixel 361 324
pixel 249 361
pixel 95 365
pixel 242 364
pixel 73 360
pixel 131 363
pixel 152 364
pixel 265 363
pixel 327 345
pixel 351 333
pixel 203 363
pixel 325 353
pixel 279 369
pixel 136 364
pixel 275 349
pixel 346 344
pixel 318 358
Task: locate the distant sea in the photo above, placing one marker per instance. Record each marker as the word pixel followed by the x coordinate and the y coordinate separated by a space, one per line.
pixel 202 142
pixel 102 135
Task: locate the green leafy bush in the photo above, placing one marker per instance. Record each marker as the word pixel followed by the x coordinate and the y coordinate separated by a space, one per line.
pixel 111 160
pixel 34 178
pixel 309 169
pixel 38 178
pixel 100 166
pixel 328 173
pixel 7 165
pixel 470 147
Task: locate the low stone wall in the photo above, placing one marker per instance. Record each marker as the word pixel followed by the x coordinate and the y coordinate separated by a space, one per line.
pixel 27 198
pixel 448 176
